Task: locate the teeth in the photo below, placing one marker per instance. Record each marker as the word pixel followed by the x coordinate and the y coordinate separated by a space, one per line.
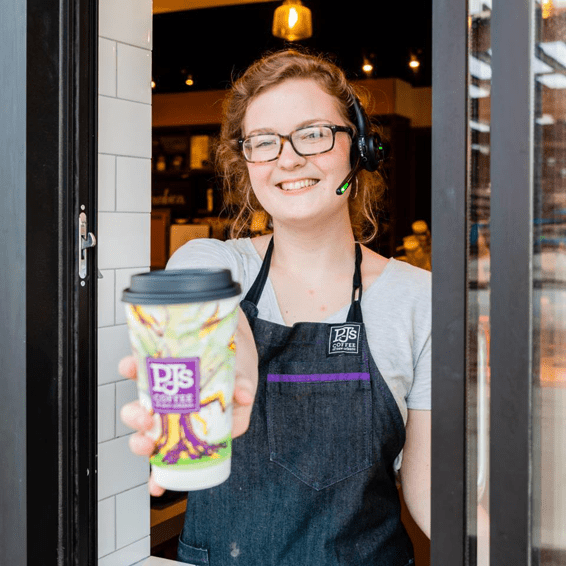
pixel 293 186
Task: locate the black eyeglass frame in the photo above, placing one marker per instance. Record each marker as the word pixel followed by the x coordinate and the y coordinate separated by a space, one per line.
pixel 288 137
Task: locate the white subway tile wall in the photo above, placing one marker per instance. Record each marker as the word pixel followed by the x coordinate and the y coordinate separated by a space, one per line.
pixel 106 412
pixel 134 73
pixel 106 526
pixel 124 127
pixel 113 345
pixel 131 554
pixel 106 182
pixel 132 516
pixel 125 241
pixel 124 205
pixel 126 391
pixel 126 21
pixel 119 468
pixel 122 282
pixel 106 67
pixel 133 184
pixel 106 302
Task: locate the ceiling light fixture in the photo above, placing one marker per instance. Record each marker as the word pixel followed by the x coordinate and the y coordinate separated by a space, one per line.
pixel 189 81
pixel 367 67
pixel 547 8
pixel 414 63
pixel 292 21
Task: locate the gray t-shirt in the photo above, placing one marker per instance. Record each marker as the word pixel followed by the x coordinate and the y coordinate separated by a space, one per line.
pixel 396 309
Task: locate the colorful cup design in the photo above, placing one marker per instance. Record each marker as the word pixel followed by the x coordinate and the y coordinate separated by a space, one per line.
pixel 186 361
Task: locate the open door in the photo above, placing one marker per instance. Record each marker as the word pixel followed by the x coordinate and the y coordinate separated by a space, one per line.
pixel 499 302
pixel 48 219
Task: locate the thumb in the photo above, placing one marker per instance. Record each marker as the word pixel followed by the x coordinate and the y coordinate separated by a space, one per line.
pixel 242 396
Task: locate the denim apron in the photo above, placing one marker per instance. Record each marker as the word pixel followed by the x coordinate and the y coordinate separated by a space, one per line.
pixel 312 481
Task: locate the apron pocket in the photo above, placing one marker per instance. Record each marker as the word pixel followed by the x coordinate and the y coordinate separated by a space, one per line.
pixel 192 555
pixel 319 425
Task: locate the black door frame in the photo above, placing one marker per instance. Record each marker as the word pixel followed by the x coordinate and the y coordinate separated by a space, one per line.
pixel 513 444
pixel 449 522
pixel 48 355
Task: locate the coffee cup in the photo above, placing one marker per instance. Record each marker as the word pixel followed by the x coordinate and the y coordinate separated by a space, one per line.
pixel 182 325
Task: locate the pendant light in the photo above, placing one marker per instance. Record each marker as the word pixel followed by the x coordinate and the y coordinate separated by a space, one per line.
pixel 292 21
pixel 547 8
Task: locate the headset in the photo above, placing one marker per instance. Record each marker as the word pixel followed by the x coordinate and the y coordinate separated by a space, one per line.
pixel 368 150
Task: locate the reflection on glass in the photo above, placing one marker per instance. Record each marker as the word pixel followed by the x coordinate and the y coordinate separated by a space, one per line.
pixel 479 274
pixel 549 276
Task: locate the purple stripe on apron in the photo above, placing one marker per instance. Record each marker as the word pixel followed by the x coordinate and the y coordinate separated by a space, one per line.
pixel 275 377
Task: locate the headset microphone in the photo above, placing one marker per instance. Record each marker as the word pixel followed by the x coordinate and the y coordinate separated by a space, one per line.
pixel 368 147
pixel 346 182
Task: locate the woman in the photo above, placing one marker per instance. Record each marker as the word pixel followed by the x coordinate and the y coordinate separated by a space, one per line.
pixel 334 337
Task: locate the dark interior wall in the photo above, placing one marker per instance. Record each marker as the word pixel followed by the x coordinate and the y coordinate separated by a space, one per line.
pixel 197 41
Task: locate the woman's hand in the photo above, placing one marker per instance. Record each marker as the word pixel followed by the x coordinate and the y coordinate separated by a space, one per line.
pixel 138 418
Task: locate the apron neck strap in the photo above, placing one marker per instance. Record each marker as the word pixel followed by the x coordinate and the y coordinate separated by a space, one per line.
pixel 256 289
pixel 355 312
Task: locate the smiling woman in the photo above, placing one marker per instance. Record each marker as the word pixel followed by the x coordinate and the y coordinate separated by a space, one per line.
pixel 310 92
pixel 332 394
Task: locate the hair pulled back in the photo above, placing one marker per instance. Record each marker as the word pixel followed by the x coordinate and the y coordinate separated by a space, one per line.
pixel 265 73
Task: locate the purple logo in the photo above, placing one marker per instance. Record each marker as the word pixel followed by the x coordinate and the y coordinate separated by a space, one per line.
pixel 174 384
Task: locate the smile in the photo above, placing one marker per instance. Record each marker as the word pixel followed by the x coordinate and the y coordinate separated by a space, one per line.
pixel 296 185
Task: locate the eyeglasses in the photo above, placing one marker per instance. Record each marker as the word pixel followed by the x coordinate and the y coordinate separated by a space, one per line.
pixel 312 140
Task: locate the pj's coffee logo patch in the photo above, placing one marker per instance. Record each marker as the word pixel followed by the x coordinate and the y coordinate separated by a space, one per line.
pixel 344 338
pixel 174 384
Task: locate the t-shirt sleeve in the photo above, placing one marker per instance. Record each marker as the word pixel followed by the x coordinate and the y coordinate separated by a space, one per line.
pixel 420 394
pixel 207 252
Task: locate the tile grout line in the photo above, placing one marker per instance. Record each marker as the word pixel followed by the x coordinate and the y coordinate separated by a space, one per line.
pixel 124 43
pixel 114 301
pixel 124 99
pixel 116 69
pixel 115 183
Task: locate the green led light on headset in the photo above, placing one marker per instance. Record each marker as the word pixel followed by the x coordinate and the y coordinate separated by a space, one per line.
pixel 344 188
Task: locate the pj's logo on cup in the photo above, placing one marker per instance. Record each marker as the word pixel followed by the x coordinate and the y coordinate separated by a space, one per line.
pixel 174 384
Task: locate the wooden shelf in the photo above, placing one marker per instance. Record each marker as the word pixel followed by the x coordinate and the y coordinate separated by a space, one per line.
pixel 167 522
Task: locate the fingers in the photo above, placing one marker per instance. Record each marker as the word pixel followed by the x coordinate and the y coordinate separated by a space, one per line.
pixel 141 444
pixel 128 367
pixel 154 489
pixel 242 397
pixel 242 411
pixel 136 417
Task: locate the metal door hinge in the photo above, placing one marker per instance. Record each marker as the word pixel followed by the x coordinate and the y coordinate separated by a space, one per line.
pixel 86 240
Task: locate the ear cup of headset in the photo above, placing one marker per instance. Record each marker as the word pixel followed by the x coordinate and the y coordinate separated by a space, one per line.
pixel 371 149
pixel 377 151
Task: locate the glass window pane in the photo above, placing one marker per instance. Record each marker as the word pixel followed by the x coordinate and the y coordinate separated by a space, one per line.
pixel 479 275
pixel 549 277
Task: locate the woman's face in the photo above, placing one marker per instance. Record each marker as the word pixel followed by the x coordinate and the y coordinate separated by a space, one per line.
pixel 296 189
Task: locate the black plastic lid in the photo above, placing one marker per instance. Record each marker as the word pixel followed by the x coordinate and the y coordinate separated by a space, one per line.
pixel 169 287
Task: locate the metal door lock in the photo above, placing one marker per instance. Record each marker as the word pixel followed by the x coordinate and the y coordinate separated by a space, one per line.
pixel 86 240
